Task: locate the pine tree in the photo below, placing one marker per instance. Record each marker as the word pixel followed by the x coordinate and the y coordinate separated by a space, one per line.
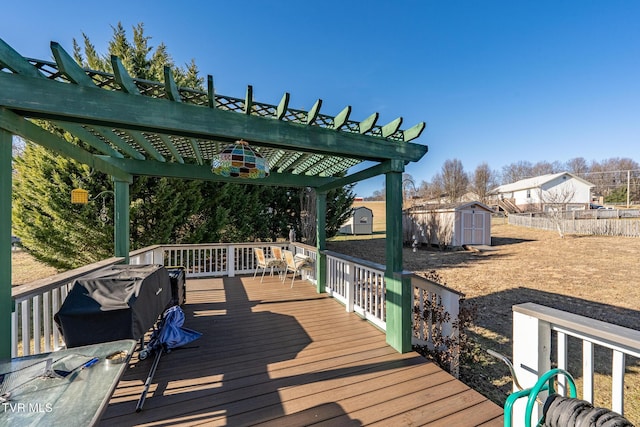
pixel 162 210
pixel 55 231
pixel 339 203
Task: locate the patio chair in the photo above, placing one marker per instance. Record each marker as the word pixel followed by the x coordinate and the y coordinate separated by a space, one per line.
pixel 264 263
pixel 295 265
pixel 276 253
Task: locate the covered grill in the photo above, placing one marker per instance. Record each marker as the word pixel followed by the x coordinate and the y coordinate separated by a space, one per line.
pixel 118 302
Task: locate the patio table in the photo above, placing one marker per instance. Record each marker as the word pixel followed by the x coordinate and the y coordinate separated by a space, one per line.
pixel 77 399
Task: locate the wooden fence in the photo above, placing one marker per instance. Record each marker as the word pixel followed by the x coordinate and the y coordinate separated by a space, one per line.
pixel 627 227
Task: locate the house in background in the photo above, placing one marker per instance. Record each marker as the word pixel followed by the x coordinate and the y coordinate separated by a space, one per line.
pixel 562 190
pixel 454 224
pixel 360 222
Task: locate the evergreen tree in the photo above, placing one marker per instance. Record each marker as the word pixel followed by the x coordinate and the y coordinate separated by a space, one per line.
pixel 65 235
pixel 619 195
pixel 339 203
pixel 162 210
pixel 55 231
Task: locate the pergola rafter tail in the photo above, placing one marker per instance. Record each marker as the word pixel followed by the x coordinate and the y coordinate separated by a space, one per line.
pixel 31 97
pixel 65 69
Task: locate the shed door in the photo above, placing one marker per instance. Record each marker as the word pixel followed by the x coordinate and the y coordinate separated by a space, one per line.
pixel 473 228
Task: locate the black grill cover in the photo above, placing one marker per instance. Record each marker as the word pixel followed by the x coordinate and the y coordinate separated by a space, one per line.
pixel 118 302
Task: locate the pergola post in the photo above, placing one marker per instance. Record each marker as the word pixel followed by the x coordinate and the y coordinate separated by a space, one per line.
pixel 321 239
pixel 6 302
pixel 121 219
pixel 398 286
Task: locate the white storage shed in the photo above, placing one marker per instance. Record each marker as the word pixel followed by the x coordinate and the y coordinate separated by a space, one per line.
pixel 360 222
pixel 459 224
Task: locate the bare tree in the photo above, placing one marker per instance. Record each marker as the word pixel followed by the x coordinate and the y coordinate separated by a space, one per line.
pixel 610 174
pixel 555 203
pixel 378 195
pixel 544 168
pixel 437 186
pixel 483 180
pixel 516 171
pixel 598 177
pixel 454 179
pixel 577 166
pixel 618 164
pixel 424 189
pixel 308 216
pixel 409 190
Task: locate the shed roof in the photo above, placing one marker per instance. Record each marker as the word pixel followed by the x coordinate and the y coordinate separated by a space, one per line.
pixel 450 207
pixel 358 208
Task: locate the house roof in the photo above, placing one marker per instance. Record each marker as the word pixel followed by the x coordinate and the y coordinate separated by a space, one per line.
pixel 536 182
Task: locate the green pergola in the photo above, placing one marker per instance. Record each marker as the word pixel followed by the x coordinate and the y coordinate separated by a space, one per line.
pixel 140 127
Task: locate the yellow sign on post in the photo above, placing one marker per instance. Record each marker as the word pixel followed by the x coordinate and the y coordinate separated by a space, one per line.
pixel 79 196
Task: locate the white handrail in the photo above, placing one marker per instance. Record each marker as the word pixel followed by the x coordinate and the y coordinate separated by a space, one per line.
pixel 532 328
pixel 359 285
pixel 356 283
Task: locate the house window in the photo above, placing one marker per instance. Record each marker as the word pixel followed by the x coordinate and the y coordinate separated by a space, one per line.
pixel 529 194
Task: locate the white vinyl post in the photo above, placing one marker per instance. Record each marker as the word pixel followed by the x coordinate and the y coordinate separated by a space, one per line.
pixel 349 285
pixel 531 358
pixel 231 261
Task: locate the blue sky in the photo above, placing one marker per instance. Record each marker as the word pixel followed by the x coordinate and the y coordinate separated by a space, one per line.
pixel 495 81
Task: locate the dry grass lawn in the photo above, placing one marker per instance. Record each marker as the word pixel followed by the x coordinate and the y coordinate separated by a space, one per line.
pixel 594 276
pixel 25 269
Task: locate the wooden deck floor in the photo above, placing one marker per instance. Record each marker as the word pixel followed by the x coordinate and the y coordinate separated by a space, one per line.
pixel 276 356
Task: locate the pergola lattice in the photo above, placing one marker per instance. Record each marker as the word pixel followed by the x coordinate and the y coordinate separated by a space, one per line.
pixel 295 142
pixel 139 127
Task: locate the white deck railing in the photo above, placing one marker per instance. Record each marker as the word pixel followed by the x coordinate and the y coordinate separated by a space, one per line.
pixel 533 325
pixel 358 284
pixel 216 259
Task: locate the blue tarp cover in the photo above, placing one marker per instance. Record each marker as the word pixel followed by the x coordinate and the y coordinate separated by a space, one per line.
pixel 172 334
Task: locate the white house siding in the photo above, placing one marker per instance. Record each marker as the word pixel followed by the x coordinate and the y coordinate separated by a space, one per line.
pixel 531 193
pixel 526 197
pixel 578 192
